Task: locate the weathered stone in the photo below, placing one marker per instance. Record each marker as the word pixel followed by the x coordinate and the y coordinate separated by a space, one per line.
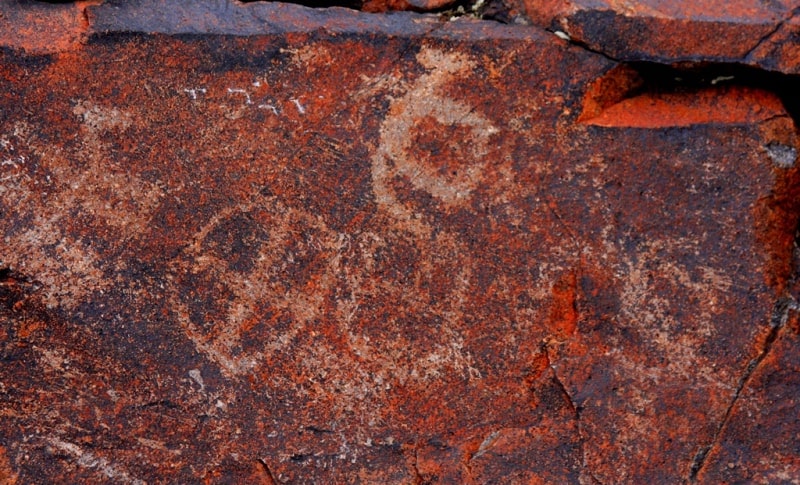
pixel 44 27
pixel 759 441
pixel 741 31
pixel 263 244
pixel 780 51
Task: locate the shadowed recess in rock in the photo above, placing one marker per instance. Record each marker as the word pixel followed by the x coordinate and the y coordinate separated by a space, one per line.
pixel 650 95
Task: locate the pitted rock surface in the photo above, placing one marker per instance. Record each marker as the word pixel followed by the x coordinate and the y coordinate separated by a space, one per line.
pixel 344 248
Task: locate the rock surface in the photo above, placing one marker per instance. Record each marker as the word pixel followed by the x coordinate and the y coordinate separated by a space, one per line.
pixel 267 244
pixel 759 33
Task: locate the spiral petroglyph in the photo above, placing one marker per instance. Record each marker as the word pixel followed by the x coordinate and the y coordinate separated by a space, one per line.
pixel 424 101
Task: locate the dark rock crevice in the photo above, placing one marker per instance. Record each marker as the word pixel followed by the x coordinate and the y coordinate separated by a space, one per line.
pixel 493 10
pixel 269 475
pixel 418 479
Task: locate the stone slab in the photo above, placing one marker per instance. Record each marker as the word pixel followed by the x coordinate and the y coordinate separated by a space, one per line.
pixel 762 34
pixel 386 251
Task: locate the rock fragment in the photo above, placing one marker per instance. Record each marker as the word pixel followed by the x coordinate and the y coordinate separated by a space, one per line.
pixel 754 33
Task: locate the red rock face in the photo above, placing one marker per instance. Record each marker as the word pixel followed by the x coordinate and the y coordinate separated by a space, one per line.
pixel 762 34
pixel 390 250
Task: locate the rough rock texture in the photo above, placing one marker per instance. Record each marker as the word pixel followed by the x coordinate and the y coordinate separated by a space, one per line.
pixel 760 33
pixel 267 244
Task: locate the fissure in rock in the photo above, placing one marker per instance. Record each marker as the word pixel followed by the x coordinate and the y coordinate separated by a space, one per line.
pixel 780 315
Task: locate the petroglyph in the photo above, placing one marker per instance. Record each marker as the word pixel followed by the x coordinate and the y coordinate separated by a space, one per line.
pixel 254 276
pixel 394 157
pixel 654 316
pixel 279 272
